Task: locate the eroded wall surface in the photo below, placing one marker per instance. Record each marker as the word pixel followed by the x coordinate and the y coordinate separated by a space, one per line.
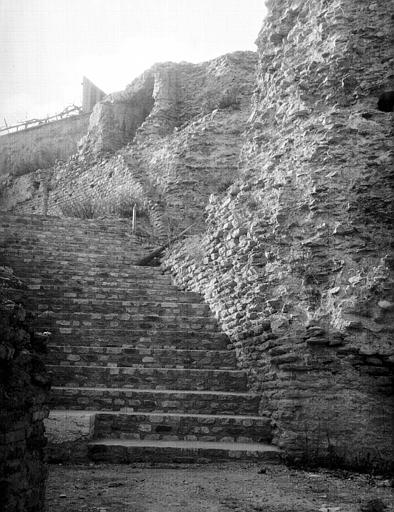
pixel 39 147
pixel 169 140
pixel 296 260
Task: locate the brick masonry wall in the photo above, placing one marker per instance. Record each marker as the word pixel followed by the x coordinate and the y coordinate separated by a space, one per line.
pixel 296 259
pixel 39 147
pixel 24 386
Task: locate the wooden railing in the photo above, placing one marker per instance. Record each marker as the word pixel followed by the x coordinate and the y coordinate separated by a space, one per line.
pixel 69 111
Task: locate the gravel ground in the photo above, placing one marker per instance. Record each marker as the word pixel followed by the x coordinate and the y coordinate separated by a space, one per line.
pixel 235 487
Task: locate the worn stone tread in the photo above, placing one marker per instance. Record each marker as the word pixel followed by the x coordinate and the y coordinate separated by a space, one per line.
pixel 128 451
pixel 76 412
pixel 163 391
pixel 255 447
pixel 219 371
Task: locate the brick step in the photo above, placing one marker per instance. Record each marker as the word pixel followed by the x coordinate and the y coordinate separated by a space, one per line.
pixel 78 320
pixel 87 291
pixel 73 256
pixel 118 451
pixel 78 283
pixel 93 276
pixel 98 246
pixel 48 222
pixel 91 288
pixel 133 306
pixel 68 231
pixel 184 427
pixel 32 250
pixel 67 260
pixel 125 314
pixel 149 378
pixel 74 267
pixel 154 400
pixel 159 426
pixel 23 267
pixel 100 332
pixel 154 338
pixel 63 236
pixel 140 357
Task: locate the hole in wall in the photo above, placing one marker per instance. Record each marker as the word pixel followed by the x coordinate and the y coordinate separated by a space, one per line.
pixel 386 101
pixel 163 429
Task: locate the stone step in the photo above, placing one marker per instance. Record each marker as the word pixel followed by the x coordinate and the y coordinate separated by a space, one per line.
pixel 152 338
pixel 154 400
pixel 183 427
pixel 127 451
pixel 140 357
pixel 149 378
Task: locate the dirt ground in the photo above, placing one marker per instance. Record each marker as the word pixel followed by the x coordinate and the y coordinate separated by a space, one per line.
pixel 235 487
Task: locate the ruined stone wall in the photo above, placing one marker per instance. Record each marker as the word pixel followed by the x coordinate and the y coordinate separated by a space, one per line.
pixel 39 147
pixel 168 141
pixel 24 388
pixel 296 260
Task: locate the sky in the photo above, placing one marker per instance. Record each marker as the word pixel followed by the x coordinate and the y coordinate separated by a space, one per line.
pixel 47 46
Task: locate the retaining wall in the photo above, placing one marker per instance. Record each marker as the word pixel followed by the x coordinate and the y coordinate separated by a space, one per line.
pixel 40 146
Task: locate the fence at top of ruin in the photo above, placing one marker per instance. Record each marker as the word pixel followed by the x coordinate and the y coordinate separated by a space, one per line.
pixel 69 111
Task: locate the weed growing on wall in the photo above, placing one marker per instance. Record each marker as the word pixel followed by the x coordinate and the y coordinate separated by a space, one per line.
pixel 82 208
pixel 120 204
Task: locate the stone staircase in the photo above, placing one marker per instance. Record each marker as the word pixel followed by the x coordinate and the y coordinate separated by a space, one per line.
pixel 140 370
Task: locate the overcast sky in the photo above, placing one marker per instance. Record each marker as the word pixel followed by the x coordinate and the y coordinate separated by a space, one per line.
pixel 46 46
